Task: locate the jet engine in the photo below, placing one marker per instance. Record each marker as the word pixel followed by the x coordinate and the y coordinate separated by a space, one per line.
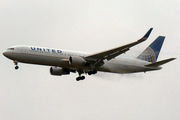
pixel 58 71
pixel 77 61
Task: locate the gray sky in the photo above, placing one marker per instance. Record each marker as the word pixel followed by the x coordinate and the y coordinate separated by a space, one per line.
pixel 89 26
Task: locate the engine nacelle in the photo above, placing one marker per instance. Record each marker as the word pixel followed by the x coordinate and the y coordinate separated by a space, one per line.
pixel 58 71
pixel 77 61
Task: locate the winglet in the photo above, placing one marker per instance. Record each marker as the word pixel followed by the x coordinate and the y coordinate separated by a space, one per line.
pixel 148 33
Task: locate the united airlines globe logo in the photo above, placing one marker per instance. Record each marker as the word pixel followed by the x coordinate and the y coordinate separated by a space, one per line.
pixel 148 55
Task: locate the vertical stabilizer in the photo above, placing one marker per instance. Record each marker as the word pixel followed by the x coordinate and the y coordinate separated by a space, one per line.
pixel 151 53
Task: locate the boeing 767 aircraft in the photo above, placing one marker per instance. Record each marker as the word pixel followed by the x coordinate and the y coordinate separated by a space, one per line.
pixel 63 62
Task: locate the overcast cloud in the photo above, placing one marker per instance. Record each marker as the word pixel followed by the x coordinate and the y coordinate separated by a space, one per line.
pixel 31 93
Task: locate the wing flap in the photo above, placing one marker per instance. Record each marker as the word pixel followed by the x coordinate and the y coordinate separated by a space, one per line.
pixel 113 55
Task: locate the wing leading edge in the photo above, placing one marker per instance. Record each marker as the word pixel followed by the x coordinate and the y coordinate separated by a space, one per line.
pixel 97 58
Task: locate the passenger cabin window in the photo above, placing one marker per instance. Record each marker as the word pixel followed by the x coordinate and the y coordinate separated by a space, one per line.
pixel 10 48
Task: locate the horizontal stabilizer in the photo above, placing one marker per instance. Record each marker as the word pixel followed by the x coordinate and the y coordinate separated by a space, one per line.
pixel 160 62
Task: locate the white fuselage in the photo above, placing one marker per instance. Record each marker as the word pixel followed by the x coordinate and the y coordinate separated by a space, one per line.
pixel 59 57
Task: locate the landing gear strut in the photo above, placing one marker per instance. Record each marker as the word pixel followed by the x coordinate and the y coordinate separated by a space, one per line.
pixel 80 77
pixel 16 63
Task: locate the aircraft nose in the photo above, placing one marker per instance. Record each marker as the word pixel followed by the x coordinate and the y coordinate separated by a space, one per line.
pixel 9 54
pixel 6 53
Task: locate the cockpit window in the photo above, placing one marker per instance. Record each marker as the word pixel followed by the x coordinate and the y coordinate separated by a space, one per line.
pixel 10 49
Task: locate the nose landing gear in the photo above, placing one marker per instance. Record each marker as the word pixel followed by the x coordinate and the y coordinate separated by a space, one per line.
pixel 16 63
pixel 16 67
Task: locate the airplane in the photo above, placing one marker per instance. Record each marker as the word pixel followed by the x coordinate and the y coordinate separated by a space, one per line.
pixel 63 62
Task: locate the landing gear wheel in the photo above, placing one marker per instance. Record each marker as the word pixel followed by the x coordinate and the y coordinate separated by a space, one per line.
pixel 80 78
pixel 17 67
pixel 16 63
pixel 89 73
pixel 92 72
pixel 83 77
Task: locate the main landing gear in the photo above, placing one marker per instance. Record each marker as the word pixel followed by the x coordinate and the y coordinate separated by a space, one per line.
pixel 16 63
pixel 83 77
pixel 80 77
pixel 92 72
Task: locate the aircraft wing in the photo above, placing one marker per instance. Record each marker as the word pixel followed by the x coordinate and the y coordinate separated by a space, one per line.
pixel 98 58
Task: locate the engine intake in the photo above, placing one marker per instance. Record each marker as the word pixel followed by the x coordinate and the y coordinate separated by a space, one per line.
pixel 77 61
pixel 58 71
